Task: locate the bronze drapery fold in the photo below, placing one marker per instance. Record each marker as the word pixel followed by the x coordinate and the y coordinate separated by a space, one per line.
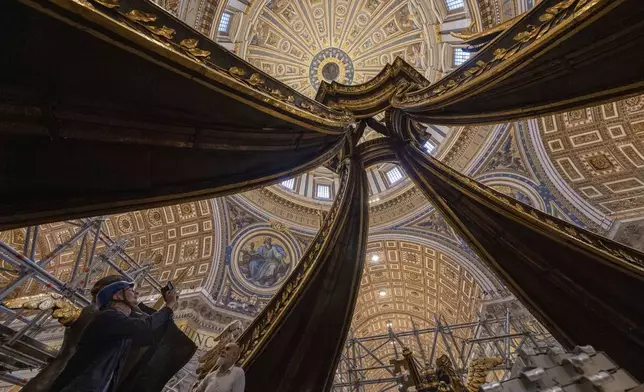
pixel 585 288
pixel 548 61
pixel 111 114
pixel 296 342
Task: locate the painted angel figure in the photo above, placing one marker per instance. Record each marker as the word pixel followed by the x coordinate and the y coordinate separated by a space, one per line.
pixel 208 361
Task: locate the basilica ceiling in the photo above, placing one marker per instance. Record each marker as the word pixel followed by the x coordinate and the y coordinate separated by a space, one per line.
pixel 407 286
pixel 303 43
pixel 585 166
pixel 405 280
pixel 170 240
pixel 599 151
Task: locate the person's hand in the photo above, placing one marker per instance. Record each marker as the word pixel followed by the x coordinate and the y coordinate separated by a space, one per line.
pixel 171 298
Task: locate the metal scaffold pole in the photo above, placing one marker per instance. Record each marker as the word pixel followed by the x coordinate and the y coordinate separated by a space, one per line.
pixel 502 329
pixel 19 350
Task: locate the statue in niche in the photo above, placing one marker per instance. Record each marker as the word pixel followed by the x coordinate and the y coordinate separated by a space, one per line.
pixel 266 265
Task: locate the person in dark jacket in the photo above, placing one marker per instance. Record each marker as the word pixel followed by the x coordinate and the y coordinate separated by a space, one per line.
pixel 43 381
pixel 104 345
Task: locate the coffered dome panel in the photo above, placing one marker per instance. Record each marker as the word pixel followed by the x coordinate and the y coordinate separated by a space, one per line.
pixel 347 41
pixel 407 279
pixel 172 239
pixel 409 286
pixel 599 152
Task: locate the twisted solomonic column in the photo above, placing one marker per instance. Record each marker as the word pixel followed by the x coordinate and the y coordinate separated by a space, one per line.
pixel 296 342
pixel 583 287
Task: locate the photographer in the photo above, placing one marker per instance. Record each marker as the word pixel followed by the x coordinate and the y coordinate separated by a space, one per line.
pixel 103 347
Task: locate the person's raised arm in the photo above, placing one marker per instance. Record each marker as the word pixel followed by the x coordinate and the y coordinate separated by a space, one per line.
pixel 118 324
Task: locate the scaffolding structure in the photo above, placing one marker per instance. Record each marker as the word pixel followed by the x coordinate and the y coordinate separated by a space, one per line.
pixel 502 328
pixel 19 350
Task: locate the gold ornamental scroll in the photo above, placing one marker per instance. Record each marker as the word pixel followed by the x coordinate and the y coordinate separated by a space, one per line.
pixel 545 62
pixel 584 287
pixel 295 344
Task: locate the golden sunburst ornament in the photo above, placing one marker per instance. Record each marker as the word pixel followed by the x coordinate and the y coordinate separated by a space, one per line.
pixel 331 64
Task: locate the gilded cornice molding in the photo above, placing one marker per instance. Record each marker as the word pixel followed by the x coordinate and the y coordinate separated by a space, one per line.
pixel 504 51
pixel 545 45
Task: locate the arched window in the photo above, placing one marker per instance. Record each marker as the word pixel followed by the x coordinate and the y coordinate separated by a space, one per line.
pixel 429 147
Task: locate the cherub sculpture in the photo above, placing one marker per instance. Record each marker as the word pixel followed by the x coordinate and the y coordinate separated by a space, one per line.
pixel 62 309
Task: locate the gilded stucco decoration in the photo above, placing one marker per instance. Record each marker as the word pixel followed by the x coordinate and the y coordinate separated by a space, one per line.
pixel 172 239
pixel 304 43
pixel 407 285
pixel 599 151
pixel 260 252
pixel 507 49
